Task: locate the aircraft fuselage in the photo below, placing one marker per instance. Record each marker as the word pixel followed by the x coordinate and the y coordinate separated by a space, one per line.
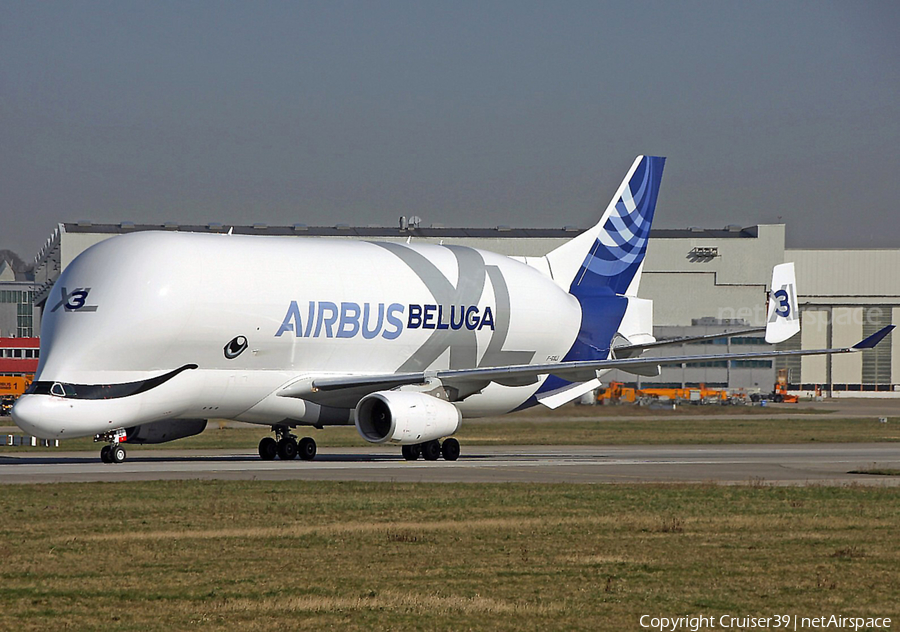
pixel 254 314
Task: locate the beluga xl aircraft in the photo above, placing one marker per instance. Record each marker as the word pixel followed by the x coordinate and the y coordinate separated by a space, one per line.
pixel 148 335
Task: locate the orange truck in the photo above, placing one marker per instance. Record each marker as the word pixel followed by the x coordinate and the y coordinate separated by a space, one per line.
pixel 616 392
pixel 694 394
pixel 10 389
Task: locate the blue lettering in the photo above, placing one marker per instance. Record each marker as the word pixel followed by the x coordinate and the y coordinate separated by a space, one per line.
pixel 349 325
pixel 453 323
pixel 440 324
pixel 348 320
pixel 328 321
pixel 427 318
pixel 76 299
pixel 784 304
pixel 392 309
pixel 367 333
pixel 487 319
pixel 291 320
pixel 415 317
pixel 470 322
pixel 311 316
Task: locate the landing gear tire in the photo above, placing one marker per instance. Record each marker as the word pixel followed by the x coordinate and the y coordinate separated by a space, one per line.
pixel 450 449
pixel 104 454
pixel 431 450
pixel 268 449
pixel 287 449
pixel 307 448
pixel 117 454
pixel 411 452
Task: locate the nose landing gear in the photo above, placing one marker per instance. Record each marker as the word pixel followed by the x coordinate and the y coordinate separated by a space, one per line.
pixel 114 452
pixel 286 447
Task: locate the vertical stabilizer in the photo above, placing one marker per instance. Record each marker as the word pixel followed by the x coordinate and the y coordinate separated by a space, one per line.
pixel 783 316
pixel 609 256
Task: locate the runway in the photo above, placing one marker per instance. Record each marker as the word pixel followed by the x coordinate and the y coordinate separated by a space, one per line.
pixel 804 464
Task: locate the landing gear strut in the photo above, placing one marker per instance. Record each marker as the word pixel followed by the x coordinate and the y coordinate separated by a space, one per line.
pixel 286 447
pixel 432 450
pixel 114 451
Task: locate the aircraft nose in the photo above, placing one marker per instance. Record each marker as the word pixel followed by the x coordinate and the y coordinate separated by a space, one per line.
pixel 28 413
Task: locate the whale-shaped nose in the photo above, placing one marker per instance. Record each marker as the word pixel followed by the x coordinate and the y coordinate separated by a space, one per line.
pixel 29 413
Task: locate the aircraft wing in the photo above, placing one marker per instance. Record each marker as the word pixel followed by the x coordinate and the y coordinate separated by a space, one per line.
pixel 630 350
pixel 346 390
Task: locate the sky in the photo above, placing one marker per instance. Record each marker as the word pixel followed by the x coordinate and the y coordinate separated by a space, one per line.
pixel 467 114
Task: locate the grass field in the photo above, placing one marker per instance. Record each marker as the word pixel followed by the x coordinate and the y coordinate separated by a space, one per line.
pixel 356 556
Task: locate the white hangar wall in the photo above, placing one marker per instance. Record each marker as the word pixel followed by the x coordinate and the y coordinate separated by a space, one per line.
pixel 845 295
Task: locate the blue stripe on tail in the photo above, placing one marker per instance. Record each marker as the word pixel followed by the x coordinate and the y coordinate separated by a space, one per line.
pixel 619 250
pixel 609 268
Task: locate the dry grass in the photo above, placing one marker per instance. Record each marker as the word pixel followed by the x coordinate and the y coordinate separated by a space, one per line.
pixel 239 555
pixel 343 529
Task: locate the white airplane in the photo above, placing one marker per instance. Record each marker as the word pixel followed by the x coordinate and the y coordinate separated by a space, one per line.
pixel 146 336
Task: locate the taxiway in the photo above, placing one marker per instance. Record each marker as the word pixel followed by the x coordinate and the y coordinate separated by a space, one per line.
pixel 732 464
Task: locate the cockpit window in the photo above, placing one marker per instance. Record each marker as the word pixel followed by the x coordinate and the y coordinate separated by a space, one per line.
pixel 102 391
pixel 62 390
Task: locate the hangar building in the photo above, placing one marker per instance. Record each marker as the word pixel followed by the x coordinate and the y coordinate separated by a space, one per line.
pixel 701 281
pixel 16 297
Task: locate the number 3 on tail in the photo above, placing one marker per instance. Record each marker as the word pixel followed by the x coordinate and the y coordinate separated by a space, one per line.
pixel 783 308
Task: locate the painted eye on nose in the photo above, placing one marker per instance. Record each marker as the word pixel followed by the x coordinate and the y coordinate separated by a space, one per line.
pixel 235 347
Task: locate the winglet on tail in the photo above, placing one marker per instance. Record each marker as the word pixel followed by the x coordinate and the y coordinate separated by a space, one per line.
pixel 783 315
pixel 874 339
pixel 609 255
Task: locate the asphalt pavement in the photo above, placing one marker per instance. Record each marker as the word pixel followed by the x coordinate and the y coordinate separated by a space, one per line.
pixel 823 464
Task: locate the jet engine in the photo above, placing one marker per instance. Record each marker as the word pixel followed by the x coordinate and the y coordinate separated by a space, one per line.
pixel 165 430
pixel 404 417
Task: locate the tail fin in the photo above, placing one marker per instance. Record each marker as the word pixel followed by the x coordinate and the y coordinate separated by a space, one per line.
pixel 609 256
pixel 783 316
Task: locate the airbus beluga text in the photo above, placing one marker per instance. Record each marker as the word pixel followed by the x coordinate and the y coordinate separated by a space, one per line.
pixel 148 335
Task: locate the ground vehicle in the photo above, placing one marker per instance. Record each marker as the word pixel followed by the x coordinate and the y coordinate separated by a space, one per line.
pixel 780 394
pixel 617 392
pixel 10 389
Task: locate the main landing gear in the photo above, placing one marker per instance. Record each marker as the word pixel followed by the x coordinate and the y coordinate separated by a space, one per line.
pixel 286 447
pixel 432 450
pixel 114 451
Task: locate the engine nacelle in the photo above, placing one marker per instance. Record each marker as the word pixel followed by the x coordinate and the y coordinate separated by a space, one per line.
pixel 165 430
pixel 405 418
